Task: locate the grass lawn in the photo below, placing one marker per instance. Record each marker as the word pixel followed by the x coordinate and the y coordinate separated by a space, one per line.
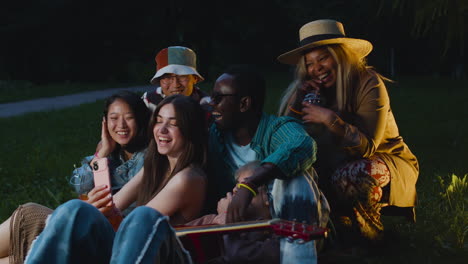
pixel 40 149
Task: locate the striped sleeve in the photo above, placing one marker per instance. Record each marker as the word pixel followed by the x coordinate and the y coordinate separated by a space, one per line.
pixel 292 149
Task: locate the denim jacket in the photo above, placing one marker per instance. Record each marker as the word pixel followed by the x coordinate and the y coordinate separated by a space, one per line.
pixel 120 171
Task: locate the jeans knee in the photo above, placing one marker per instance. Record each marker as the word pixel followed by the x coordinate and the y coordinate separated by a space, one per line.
pixel 145 213
pixel 76 209
pixel 74 204
pixel 145 218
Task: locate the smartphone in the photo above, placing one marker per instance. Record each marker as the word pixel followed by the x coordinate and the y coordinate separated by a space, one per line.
pixel 101 174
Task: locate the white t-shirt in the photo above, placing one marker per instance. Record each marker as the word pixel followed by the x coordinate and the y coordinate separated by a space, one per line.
pixel 240 155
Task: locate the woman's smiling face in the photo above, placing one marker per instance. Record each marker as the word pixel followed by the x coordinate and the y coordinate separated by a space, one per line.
pixel 167 134
pixel 321 67
pixel 121 122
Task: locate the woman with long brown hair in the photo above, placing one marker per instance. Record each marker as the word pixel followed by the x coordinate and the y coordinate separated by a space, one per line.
pixel 170 189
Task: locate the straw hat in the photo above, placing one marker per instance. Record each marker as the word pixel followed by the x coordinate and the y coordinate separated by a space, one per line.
pixel 177 60
pixel 324 32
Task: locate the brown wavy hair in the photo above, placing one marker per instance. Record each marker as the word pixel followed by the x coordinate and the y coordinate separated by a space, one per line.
pixel 191 121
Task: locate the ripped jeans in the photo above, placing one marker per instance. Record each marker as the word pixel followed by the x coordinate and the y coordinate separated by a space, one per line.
pixel 78 233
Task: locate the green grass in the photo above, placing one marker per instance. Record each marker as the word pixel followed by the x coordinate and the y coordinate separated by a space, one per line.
pixel 38 153
pixel 432 115
pixel 39 150
pixel 13 91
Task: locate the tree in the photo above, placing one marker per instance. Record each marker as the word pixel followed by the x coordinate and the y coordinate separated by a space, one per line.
pixel 442 19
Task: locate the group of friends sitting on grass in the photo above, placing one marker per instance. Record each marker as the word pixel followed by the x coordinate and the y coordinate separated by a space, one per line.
pixel 178 156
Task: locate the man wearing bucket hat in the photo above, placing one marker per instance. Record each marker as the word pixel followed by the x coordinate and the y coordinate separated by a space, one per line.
pixel 176 73
pixel 362 161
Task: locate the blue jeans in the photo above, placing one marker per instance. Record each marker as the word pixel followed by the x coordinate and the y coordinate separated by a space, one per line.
pixel 78 233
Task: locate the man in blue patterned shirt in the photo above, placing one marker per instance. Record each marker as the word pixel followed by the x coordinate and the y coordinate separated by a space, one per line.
pixel 242 132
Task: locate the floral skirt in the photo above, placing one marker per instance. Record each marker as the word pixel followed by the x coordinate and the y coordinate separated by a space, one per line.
pixel 360 189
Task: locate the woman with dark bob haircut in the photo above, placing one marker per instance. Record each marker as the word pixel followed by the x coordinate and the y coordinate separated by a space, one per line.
pixel 124 138
pixel 141 116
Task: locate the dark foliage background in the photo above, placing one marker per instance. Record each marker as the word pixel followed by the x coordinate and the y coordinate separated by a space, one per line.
pixel 70 40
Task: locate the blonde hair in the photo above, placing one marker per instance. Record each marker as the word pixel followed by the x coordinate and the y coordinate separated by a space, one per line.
pixel 350 68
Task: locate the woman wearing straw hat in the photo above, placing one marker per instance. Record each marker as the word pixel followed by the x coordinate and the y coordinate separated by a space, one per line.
pixel 363 163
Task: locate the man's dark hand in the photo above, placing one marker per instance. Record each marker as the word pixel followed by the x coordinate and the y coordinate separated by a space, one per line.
pixel 241 200
pixel 238 206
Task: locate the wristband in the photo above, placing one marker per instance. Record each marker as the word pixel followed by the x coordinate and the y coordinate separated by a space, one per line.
pixel 96 155
pixel 247 187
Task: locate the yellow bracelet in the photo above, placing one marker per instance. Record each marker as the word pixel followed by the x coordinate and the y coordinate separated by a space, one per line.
pixel 247 187
pixel 295 111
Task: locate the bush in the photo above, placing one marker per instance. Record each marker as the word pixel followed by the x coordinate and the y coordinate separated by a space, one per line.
pixel 452 205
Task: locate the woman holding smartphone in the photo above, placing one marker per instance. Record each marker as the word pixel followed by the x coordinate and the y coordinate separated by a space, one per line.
pixel 124 140
pixel 169 190
pixel 172 184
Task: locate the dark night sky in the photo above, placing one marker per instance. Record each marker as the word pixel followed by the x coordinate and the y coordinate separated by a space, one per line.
pixel 87 40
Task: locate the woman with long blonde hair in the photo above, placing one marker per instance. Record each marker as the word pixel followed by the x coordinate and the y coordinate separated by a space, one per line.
pixel 362 161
